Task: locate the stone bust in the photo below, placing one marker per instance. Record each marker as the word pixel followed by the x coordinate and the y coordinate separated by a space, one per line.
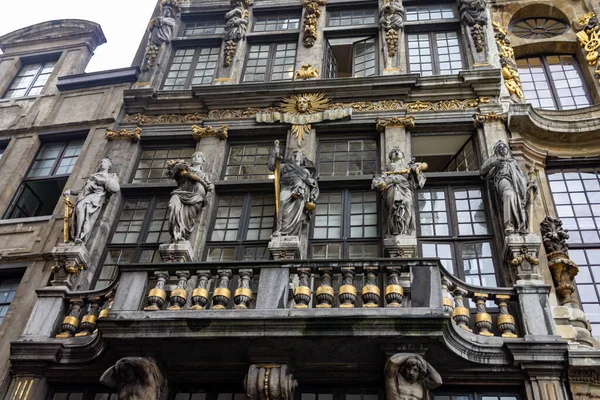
pixel 409 377
pixel 136 378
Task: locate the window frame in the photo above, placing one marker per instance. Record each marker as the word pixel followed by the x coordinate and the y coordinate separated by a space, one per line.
pixel 28 60
pixel 273 43
pixel 223 176
pixel 355 8
pixel 154 147
pixel 333 139
pixel 284 14
pixel 207 44
pixel 433 49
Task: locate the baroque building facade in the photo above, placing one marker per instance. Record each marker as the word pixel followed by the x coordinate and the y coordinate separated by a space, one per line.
pixel 316 199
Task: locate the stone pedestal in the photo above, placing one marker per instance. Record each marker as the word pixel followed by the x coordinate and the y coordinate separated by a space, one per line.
pixel 400 246
pixel 176 252
pixel 285 247
pixel 522 253
pixel 573 326
pixel 69 260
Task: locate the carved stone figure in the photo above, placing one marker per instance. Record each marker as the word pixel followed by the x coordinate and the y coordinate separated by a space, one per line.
pixel 160 30
pixel 409 377
pixel 192 193
pixel 136 378
pixel 237 22
pixel 298 191
pixel 472 13
pixel 397 184
pixel 90 199
pixel 511 188
pixel 391 16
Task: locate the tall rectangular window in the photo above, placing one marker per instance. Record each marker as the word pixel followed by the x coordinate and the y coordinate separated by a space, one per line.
pixel 45 180
pixel 30 80
pixel 270 62
pixel 434 53
pixel 191 67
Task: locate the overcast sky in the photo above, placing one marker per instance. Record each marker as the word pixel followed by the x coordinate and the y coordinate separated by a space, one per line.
pixel 123 22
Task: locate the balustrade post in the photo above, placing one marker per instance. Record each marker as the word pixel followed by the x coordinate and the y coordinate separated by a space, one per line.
pixel 302 293
pixel 71 321
pixel 108 303
pixel 88 322
pixel 179 294
pixel 222 294
pixel 157 295
pixel 506 322
pixel 393 291
pixel 370 291
pixel 447 301
pixel 243 294
pixel 200 293
pixel 461 314
pixel 325 290
pixel 483 320
pixel 347 292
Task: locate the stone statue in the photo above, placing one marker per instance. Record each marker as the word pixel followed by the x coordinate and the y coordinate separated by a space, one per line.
pixel 136 378
pixel 409 377
pixel 472 12
pixel 90 199
pixel 397 184
pixel 192 193
pixel 511 188
pixel 161 28
pixel 298 191
pixel 237 23
pixel 391 16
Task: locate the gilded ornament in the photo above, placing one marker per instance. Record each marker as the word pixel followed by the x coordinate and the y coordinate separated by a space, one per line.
pixel 134 135
pixel 69 206
pixel 524 256
pixel 312 13
pixel 588 33
pixel 199 132
pixel 480 119
pixel 407 122
pixel 163 119
pixel 307 71
pixel 510 73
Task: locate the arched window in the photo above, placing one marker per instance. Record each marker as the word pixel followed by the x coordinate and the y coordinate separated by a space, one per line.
pixel 553 82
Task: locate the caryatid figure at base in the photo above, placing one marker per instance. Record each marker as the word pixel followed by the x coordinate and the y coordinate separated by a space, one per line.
pixel 397 184
pixel 297 192
pixel 409 377
pixel 136 378
pixel 192 193
pixel 90 199
pixel 511 188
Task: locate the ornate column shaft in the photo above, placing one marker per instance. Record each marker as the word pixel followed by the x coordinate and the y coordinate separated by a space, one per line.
pixel 222 294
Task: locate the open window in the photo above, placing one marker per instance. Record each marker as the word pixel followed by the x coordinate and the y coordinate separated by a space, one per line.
pixel 446 153
pixel 351 57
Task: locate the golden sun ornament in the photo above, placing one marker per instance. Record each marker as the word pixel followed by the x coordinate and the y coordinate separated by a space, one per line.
pixel 305 103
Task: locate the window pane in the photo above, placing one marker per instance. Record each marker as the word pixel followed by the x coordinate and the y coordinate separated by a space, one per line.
pixel 431 12
pixel 256 64
pixel 351 17
pixel 276 23
pixel 448 53
pixel 363 215
pixel 283 62
pixel 419 54
pixel 365 54
pixel 571 90
pixel 470 212
pixel 30 80
pixel 206 65
pixel 348 157
pixel 8 288
pixel 328 217
pixel 433 218
pixel 478 265
pixel 262 218
pixel 151 168
pixel 207 27
pixel 179 69
pixel 227 223
pixel 248 162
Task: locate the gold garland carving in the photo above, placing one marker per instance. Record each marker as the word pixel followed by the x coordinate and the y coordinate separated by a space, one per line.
pixel 524 256
pixel 141 119
pixel 312 13
pixel 512 80
pixel 134 135
pixel 588 34
pixel 391 39
pixel 480 119
pixel 407 122
pixel 199 132
pixel 307 71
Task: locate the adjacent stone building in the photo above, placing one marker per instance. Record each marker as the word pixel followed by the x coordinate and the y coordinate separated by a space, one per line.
pixel 319 199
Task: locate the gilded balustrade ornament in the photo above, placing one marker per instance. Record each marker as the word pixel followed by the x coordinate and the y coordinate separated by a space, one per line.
pixel 301 110
pixel 510 73
pixel 312 13
pixel 236 27
pixel 406 122
pixel 480 119
pixel 307 71
pixel 391 22
pixel 588 33
pixel 160 31
pixel 123 134
pixel 200 132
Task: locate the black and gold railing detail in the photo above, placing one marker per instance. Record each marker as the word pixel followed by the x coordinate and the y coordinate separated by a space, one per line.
pixel 84 310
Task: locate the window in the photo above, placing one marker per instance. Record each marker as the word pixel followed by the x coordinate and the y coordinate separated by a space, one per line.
pixel 446 153
pixel 453 226
pixel 434 53
pixel 30 80
pixel 8 288
pixel 553 82
pixel 346 225
pixel 192 67
pixel 351 57
pixel 351 18
pixel 347 157
pixel 538 28
pixel 270 62
pixel 576 195
pixel 430 12
pixel 206 27
pixel 276 23
pixel 142 226
pixel 242 228
pixel 151 168
pixel 44 183
pixel 248 162
pixel 473 396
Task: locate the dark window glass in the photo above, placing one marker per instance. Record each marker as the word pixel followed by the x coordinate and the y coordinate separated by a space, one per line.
pixel 192 67
pixel 276 23
pixel 430 12
pixel 8 288
pixel 347 157
pixel 351 17
pixel 151 168
pixel 207 27
pixel 248 162
pixel 274 62
pixel 30 80
pixel 434 53
pixel 538 28
pixel 553 82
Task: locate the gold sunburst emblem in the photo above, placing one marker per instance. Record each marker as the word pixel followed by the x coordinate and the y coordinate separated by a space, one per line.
pixel 305 103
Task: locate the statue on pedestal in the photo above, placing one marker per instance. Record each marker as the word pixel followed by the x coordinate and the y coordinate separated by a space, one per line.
pixel 397 184
pixel 296 191
pixel 409 377
pixel 192 193
pixel 136 378
pixel 90 199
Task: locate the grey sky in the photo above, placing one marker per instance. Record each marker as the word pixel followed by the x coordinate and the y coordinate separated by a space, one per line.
pixel 123 22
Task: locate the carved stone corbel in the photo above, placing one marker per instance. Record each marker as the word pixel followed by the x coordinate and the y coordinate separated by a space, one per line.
pixel 269 381
pixel 134 135
pixel 136 378
pixel 395 122
pixel 200 132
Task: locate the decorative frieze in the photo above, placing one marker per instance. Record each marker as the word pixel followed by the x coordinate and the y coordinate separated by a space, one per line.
pixel 142 119
pixel 588 33
pixel 510 73
pixel 395 122
pixel 312 13
pixel 134 135
pixel 209 131
pixel 480 119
